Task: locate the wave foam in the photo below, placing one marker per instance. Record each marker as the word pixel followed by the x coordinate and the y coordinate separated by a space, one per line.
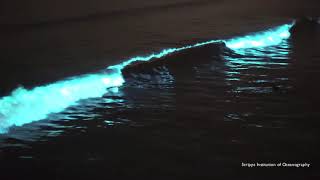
pixel 25 106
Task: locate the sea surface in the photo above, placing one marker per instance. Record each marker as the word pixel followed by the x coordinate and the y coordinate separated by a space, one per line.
pixel 197 113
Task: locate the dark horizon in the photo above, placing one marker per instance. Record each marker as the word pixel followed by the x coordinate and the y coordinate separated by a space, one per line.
pixel 15 12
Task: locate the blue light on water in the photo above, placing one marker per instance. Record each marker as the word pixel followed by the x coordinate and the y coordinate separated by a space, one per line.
pixel 267 38
pixel 25 106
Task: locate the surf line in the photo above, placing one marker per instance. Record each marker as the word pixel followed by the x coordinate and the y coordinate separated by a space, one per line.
pixel 24 106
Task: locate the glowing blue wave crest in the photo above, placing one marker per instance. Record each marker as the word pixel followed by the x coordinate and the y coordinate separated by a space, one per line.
pixel 267 38
pixel 25 106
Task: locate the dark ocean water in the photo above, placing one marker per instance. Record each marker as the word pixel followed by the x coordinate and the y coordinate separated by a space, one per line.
pixel 197 113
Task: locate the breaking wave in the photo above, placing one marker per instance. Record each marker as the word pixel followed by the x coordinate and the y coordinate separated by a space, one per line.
pixel 25 106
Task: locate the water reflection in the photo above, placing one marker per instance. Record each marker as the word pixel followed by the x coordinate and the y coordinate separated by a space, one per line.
pixel 253 70
pixel 57 124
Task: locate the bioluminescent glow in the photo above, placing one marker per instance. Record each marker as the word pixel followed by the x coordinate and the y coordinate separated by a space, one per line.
pixel 161 54
pixel 267 38
pixel 25 106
